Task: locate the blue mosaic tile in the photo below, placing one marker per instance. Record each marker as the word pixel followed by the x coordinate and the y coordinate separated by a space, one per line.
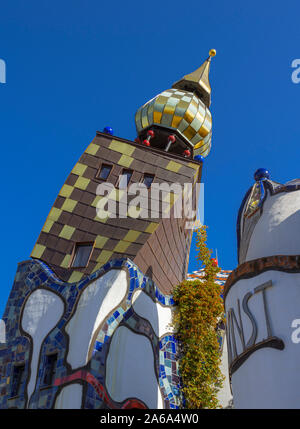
pixel 32 274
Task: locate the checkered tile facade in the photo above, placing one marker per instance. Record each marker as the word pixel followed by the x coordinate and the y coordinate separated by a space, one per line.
pixel 179 111
pixel 73 217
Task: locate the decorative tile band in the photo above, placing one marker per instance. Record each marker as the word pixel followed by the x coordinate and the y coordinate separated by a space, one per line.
pixel 287 263
pixel 100 389
pixel 33 275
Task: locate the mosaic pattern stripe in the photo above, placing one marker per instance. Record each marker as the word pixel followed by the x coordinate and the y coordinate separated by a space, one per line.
pixel 35 275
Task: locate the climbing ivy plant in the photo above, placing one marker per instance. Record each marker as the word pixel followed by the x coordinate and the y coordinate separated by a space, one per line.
pixel 198 312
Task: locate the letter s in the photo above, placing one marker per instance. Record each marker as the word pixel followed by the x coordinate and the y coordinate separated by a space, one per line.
pixel 295 338
pixel 295 77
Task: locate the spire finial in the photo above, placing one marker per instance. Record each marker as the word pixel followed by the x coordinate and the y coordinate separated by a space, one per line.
pixel 198 81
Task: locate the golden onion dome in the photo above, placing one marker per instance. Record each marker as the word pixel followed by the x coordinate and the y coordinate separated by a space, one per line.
pixel 182 110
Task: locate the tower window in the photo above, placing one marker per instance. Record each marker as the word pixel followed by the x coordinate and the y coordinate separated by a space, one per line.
pixel 124 178
pixel 104 171
pixel 148 179
pixel 17 379
pixel 49 370
pixel 82 254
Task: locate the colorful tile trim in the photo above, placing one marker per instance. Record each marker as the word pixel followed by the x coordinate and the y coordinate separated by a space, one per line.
pixel 252 208
pixel 34 274
pixel 286 263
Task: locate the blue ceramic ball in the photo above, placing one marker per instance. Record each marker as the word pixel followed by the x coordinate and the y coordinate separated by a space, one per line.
pixel 199 158
pixel 261 173
pixel 108 130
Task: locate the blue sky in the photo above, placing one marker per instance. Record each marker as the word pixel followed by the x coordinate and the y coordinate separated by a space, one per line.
pixel 74 67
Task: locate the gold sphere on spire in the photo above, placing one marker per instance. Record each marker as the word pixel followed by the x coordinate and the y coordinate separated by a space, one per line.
pixel 183 110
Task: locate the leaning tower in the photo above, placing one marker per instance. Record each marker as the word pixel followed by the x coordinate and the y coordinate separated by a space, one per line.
pixel 87 319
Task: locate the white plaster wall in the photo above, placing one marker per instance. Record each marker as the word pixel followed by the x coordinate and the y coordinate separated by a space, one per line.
pixel 269 378
pixel 130 369
pixel 70 397
pixel 159 316
pixel 42 311
pixel 224 395
pixel 276 232
pixel 95 303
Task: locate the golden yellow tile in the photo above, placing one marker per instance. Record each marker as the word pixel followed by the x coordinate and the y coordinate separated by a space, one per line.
pixel 65 263
pixel 69 205
pixel 119 194
pixel 48 225
pixel 122 246
pixel 96 200
pixel 151 227
pixel 82 183
pixel 145 122
pixel 132 235
pixel 176 121
pixel 182 105
pixel 100 241
pixel 157 117
pixel 200 117
pixel 189 116
pixel 98 219
pixel 75 277
pixel 67 232
pixel 98 266
pixel 169 109
pixel 54 214
pixel 189 132
pixel 195 166
pixel 104 256
pixel 125 160
pixel 38 251
pixel 121 147
pixel 200 144
pixel 203 131
pixel 79 169
pixel 92 149
pixel 66 191
pixel 173 166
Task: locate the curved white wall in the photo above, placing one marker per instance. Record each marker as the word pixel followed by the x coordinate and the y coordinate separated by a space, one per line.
pixel 42 311
pixel 159 316
pixel 95 303
pixel 269 378
pixel 224 395
pixel 70 397
pixel 130 369
pixel 277 230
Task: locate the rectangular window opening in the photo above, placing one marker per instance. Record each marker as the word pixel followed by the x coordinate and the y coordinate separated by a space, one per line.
pixel 82 255
pixel 104 171
pixel 124 179
pixel 49 370
pixel 18 379
pixel 148 180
